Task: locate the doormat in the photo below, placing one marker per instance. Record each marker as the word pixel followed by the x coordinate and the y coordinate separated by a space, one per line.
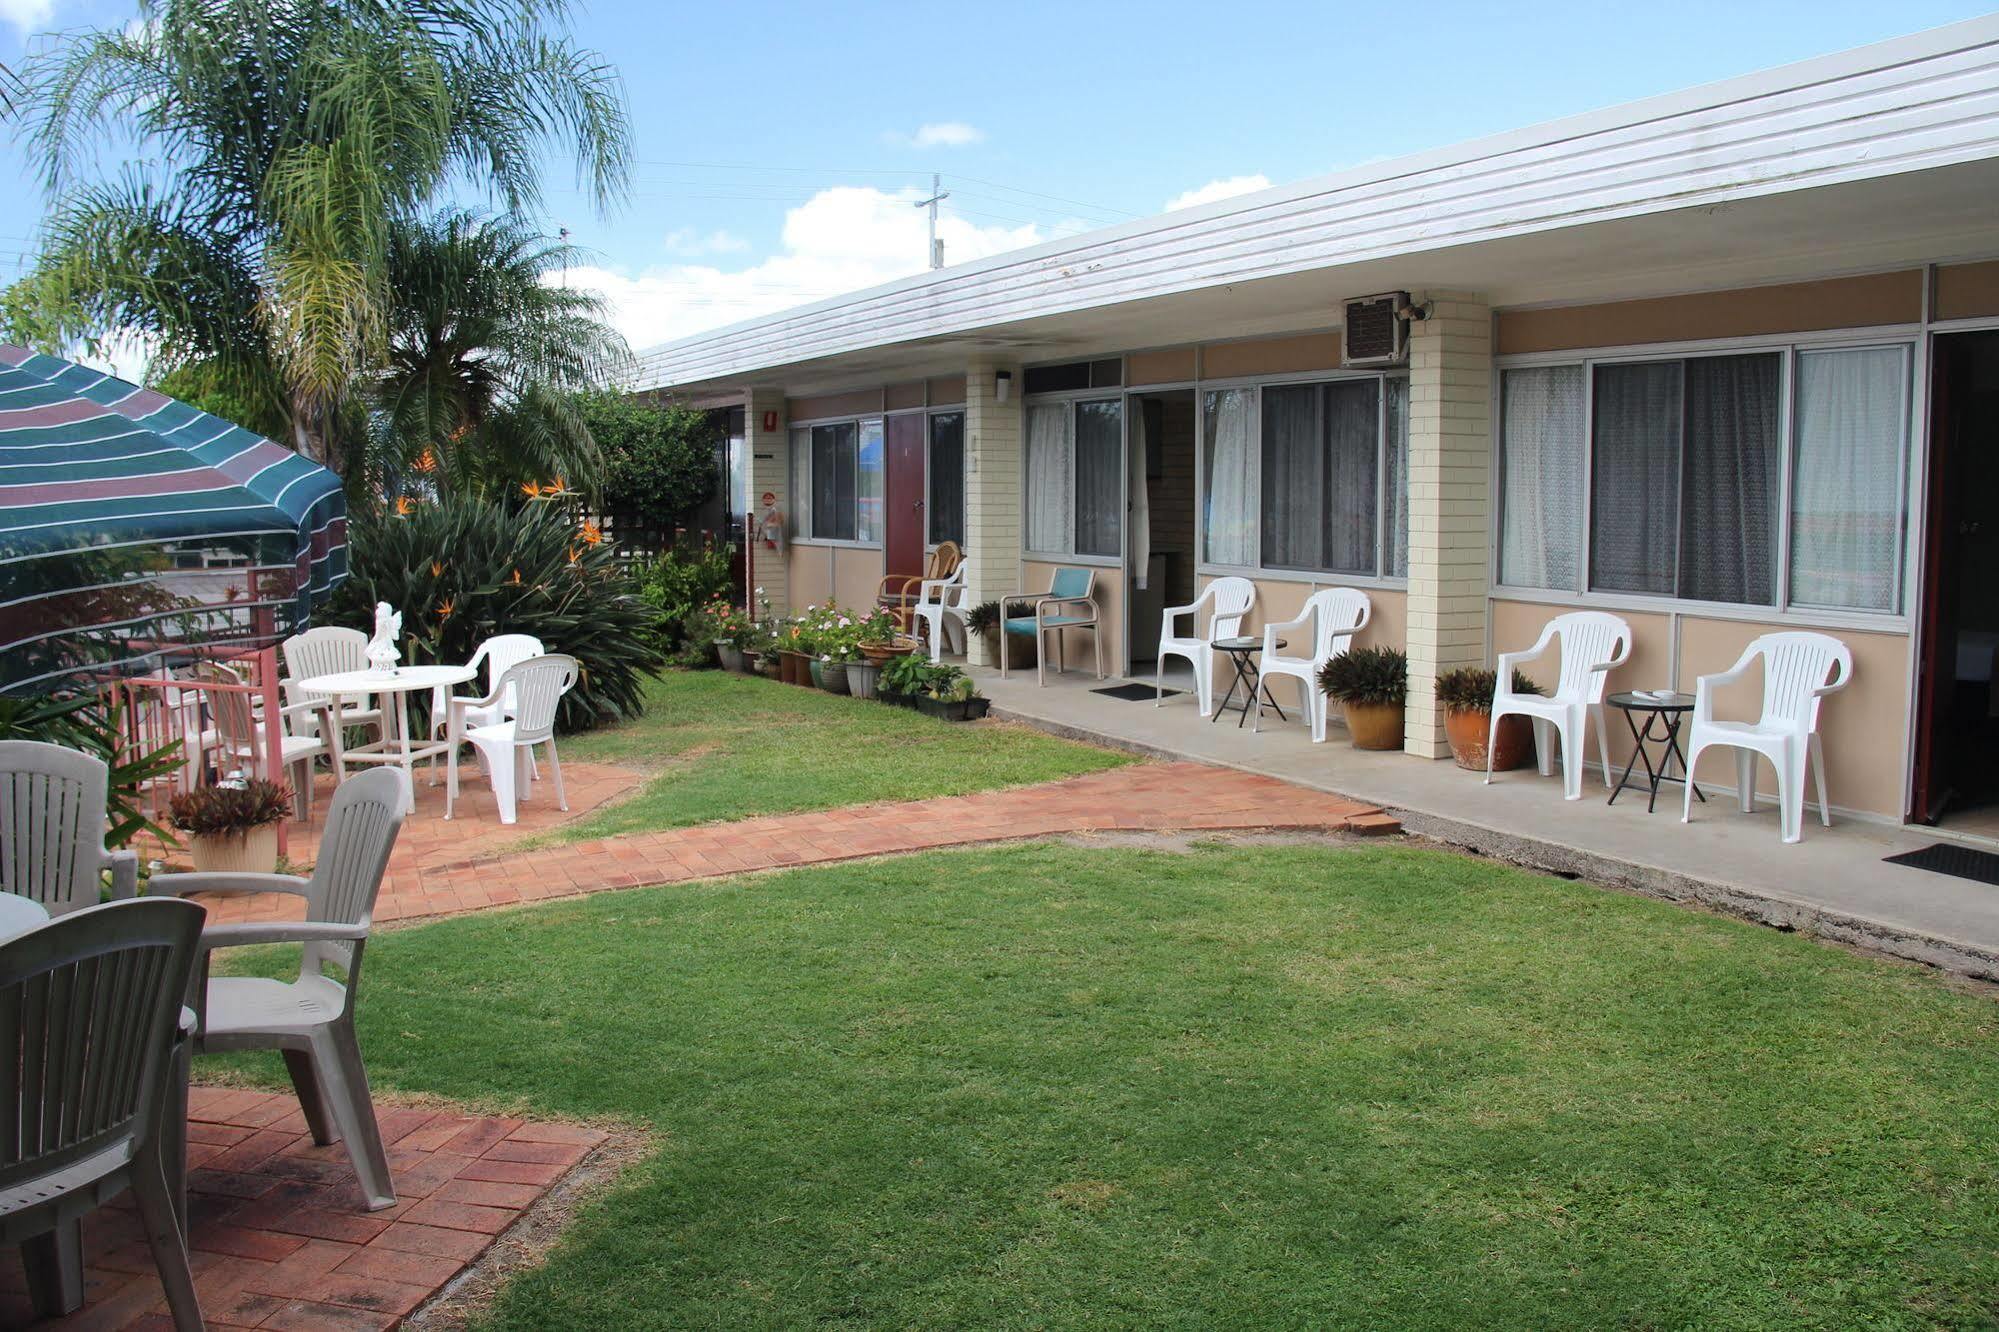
pixel 1133 693
pixel 1960 862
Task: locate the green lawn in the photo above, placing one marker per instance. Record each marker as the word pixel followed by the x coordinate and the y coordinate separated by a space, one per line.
pixel 1056 1086
pixel 731 746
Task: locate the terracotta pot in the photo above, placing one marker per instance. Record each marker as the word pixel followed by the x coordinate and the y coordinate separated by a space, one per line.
pixel 1468 731
pixel 796 668
pixel 1374 725
pixel 881 652
pixel 253 851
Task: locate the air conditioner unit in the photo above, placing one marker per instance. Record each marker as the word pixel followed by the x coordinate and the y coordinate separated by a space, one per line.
pixel 1372 333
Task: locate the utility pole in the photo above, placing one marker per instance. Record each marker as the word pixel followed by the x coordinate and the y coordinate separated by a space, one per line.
pixel 937 196
pixel 563 233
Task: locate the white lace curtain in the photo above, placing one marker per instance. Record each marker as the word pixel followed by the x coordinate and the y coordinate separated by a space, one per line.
pixel 1230 477
pixel 1846 504
pixel 1541 458
pixel 1099 477
pixel 1051 472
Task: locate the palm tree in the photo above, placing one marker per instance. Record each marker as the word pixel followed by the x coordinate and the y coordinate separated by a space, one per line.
pixel 291 138
pixel 486 356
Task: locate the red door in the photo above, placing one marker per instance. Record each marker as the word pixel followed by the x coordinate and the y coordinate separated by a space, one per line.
pixel 903 496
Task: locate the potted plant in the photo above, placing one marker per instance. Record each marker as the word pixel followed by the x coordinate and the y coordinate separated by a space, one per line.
pixel 1466 694
pixel 984 621
pixel 727 628
pixel 1371 685
pixel 941 690
pixel 873 644
pixel 794 645
pixel 232 827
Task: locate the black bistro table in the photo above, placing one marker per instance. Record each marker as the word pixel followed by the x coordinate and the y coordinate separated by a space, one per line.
pixel 1663 715
pixel 1242 655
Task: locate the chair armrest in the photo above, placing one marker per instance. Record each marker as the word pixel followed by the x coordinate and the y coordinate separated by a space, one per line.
pixel 124 867
pixel 1011 597
pixel 278 931
pixel 174 885
pixel 1506 664
pixel 1045 604
pixel 1705 685
pixel 1271 631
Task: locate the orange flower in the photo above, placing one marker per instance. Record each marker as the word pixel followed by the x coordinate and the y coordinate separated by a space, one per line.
pixel 559 485
pixel 531 490
pixel 426 461
pixel 516 579
pixel 593 534
pixel 404 506
pixel 575 556
pixel 445 608
pixel 437 568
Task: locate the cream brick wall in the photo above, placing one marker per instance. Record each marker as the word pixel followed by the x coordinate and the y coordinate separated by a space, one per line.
pixel 1450 462
pixel 993 444
pixel 770 470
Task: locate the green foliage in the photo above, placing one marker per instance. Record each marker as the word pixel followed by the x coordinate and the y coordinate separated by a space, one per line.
pixel 678 583
pixel 89 723
pixel 1366 675
pixel 913 673
pixel 984 618
pixel 463 570
pixel 659 462
pixel 210 386
pixel 1470 688
pixel 223 809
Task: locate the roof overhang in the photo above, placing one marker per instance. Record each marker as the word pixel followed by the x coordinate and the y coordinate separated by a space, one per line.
pixel 1870 159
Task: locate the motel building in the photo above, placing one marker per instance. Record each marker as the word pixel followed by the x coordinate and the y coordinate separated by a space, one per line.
pixel 1722 362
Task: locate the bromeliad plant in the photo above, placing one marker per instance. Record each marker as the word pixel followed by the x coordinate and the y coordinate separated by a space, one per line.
pixel 1371 685
pixel 228 809
pixel 1470 688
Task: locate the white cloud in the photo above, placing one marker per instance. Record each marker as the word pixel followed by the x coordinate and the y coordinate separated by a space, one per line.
pixel 687 243
pixel 941 134
pixel 29 16
pixel 1226 188
pixel 840 240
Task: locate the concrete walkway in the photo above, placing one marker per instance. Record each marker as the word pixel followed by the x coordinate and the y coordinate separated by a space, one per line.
pixel 1834 883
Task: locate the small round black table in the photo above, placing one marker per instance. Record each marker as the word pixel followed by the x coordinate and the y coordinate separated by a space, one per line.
pixel 1662 727
pixel 1241 653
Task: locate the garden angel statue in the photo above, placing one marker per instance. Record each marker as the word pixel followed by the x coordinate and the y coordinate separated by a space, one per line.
pixel 382 650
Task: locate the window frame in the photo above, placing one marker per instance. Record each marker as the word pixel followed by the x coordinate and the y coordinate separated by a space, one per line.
pixel 1070 398
pixel 1902 337
pixel 800 477
pixel 1204 567
pixel 930 415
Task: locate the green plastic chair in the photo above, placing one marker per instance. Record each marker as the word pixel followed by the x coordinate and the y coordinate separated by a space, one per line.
pixel 1069 603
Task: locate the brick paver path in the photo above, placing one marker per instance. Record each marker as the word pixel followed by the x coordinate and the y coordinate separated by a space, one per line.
pixel 280 1238
pixel 445 876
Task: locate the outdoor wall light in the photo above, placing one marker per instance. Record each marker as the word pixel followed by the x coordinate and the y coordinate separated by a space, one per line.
pixel 1002 385
pixel 1412 314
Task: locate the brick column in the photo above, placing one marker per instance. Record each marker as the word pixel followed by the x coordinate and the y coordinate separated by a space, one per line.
pixel 770 470
pixel 1450 507
pixel 993 442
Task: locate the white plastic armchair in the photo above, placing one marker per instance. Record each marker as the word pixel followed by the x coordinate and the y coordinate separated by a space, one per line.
pixel 1335 615
pixel 1593 644
pixel 1799 670
pixel 1228 600
pixel 535 688
pixel 243 738
pixel 328 650
pixel 939 598
pixel 311 1019
pixel 498 655
pixel 52 810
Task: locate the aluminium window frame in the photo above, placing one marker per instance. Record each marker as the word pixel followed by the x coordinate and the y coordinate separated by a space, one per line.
pixel 930 415
pixel 1071 397
pixel 802 503
pixel 1782 610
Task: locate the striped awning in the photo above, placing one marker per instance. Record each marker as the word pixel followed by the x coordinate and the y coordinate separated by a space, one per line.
pixel 133 525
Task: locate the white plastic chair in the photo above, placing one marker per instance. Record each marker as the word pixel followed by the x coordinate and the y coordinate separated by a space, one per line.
pixel 244 740
pixel 1593 644
pixel 1336 614
pixel 329 650
pixel 498 655
pixel 1799 669
pixel 83 1128
pixel 52 815
pixel 311 1019
pixel 1228 600
pixel 939 600
pixel 506 748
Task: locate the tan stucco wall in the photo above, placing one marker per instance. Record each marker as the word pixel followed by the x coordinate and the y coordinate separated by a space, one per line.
pixel 849 575
pixel 811 574
pixel 897 397
pixel 1850 302
pixel 1035 576
pixel 1159 367
pixel 859 402
pixel 1967 291
pixel 1271 356
pixel 948 391
pixel 1864 725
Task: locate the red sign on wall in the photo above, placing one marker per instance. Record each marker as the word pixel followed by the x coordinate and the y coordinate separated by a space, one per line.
pixel 770 421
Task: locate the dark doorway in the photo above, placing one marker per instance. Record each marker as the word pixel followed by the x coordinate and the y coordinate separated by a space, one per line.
pixel 1160 447
pixel 1957 716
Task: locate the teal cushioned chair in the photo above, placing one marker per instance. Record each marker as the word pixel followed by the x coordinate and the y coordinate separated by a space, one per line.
pixel 1069 603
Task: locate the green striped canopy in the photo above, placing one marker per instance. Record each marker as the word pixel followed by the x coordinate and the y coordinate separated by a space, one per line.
pixel 134 527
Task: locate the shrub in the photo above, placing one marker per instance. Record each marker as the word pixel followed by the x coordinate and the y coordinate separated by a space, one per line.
pixel 88 723
pixel 1366 675
pixel 224 809
pixel 659 462
pixel 463 570
pixel 913 674
pixel 1469 688
pixel 680 582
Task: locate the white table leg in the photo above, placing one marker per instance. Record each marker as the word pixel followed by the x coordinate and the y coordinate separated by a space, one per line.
pixel 402 715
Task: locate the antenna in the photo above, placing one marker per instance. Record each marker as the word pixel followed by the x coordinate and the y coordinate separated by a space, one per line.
pixel 563 233
pixel 937 195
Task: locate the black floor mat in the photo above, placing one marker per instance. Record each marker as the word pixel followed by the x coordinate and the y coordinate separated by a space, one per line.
pixel 1133 693
pixel 1960 862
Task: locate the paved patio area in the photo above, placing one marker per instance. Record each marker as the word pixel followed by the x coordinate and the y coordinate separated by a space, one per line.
pixel 434 874
pixel 280 1237
pixel 1834 883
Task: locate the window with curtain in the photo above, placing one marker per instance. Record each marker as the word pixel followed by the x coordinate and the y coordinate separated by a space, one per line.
pixel 946 472
pixel 833 479
pixel 1395 482
pixel 871 455
pixel 1229 476
pixel 836 479
pixel 801 483
pixel 1099 477
pixel 1846 493
pixel 1686 476
pixel 1321 457
pixel 1075 477
pixel 1051 475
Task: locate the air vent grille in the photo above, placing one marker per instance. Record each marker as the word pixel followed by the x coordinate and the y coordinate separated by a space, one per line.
pixel 1372 333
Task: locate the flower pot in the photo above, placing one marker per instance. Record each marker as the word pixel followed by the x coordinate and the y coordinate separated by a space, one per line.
pixel 1374 725
pixel 895 700
pixel 815 670
pixel 953 709
pixel 863 678
pixel 731 655
pixel 796 668
pixel 1019 649
pixel 252 851
pixel 833 677
pixel 766 664
pixel 881 652
pixel 1468 730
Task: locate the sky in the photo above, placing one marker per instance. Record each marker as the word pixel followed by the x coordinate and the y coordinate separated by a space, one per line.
pixel 781 146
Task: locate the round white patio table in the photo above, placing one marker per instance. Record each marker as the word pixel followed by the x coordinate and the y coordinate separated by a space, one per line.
pixel 395 745
pixel 20 914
